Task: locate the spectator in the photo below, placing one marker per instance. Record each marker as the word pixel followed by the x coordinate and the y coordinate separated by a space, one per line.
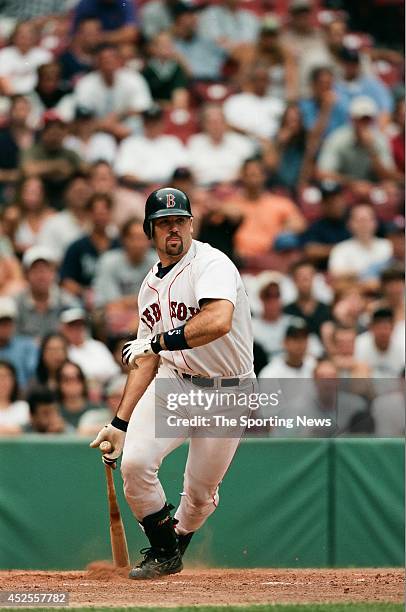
pixel 398 138
pixel 270 328
pixel 49 91
pixel 306 307
pixel 303 39
pixel 15 137
pixel 113 93
pixel 363 255
pixel 290 149
pixel 325 110
pixel 157 16
pixel 358 154
pixel 91 355
pixel 388 412
pixel 165 73
pixel 382 347
pixel 53 353
pixel 295 362
pixel 11 276
pixel 79 58
pixel 265 215
pixel 61 229
pixel 343 354
pixel 85 139
pixel 20 60
pixel 79 264
pixel 115 346
pixel 72 393
pixel 40 305
pixel 216 154
pixel 331 228
pixel 14 414
pixel 126 203
pixel 119 275
pixel 153 157
pixel 50 160
pixel 118 19
pixel 278 59
pixel 253 111
pixel 20 351
pixel 91 422
pixel 393 289
pixel 45 413
pixel 34 212
pixel 349 309
pixel 355 83
pixel 203 58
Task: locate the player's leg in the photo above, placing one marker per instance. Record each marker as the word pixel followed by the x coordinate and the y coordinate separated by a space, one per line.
pixel 142 456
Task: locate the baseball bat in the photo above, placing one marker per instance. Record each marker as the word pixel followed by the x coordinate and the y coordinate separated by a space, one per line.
pixel 117 534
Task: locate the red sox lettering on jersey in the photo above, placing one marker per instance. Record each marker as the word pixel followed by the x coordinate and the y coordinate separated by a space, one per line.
pixel 169 302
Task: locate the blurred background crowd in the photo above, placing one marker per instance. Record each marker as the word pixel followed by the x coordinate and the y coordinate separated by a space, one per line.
pixel 283 120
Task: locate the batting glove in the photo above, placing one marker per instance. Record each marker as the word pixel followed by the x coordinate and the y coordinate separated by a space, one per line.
pixel 116 438
pixel 134 349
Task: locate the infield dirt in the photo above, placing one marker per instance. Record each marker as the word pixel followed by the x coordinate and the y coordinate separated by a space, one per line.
pixel 102 585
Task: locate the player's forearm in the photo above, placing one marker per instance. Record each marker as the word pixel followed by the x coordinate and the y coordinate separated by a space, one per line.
pixel 209 324
pixel 136 385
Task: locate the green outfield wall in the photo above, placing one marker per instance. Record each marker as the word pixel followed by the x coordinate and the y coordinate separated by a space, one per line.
pixel 283 503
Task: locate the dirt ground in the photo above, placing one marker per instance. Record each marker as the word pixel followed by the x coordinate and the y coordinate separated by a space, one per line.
pixel 101 585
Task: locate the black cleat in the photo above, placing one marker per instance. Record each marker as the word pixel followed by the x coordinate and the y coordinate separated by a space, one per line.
pixel 157 563
pixel 183 541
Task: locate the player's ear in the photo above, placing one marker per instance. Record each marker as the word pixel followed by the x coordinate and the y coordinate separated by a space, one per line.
pixel 191 225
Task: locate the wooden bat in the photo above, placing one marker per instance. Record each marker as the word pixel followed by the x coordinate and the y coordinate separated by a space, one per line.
pixel 117 534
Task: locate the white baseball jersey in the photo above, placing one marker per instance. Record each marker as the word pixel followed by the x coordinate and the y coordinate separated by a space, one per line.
pixel 168 302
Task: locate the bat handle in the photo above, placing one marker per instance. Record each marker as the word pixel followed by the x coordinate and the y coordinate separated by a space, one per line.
pixel 105 447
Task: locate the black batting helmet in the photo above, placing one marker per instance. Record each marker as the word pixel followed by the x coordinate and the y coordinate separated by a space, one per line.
pixel 165 202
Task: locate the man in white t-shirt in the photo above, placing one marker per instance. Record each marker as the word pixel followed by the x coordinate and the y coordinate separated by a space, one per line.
pixel 364 255
pixel 19 62
pixel 382 347
pixel 153 157
pixel 195 326
pixel 113 93
pixel 295 362
pixel 216 154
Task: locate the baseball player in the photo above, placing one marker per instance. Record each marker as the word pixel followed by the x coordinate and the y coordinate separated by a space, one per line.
pixel 194 330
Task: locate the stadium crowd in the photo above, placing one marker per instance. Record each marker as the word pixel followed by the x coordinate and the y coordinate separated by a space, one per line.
pixel 283 120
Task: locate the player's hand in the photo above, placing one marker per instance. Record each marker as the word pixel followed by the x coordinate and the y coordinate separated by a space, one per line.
pixel 133 349
pixel 116 438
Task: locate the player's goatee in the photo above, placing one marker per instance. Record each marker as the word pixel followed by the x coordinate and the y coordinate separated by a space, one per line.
pixel 174 249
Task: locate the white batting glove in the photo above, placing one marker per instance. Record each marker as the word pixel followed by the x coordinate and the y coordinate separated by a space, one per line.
pixel 133 349
pixel 116 438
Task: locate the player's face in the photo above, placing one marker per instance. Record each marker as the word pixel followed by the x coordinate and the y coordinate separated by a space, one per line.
pixel 172 237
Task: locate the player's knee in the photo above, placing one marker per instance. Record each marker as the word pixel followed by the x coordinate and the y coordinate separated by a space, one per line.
pixel 201 497
pixel 135 468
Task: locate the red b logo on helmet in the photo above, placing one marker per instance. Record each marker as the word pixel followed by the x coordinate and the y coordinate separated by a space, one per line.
pixel 170 200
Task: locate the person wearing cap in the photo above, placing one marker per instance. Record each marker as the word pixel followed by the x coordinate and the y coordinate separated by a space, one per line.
pixel 91 355
pixel 355 82
pixel 203 57
pixel 270 52
pixel 363 255
pixel 358 154
pixel 295 362
pixel 303 39
pixel 21 351
pixel 217 153
pixel 152 157
pixel 79 263
pixel 50 160
pixel 87 141
pixel 113 93
pixel 382 347
pixel 270 328
pixel 40 304
pixel 331 228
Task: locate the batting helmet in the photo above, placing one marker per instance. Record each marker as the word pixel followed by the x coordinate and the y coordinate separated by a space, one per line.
pixel 165 202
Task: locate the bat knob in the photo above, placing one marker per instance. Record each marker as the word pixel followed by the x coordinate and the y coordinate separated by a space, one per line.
pixel 105 447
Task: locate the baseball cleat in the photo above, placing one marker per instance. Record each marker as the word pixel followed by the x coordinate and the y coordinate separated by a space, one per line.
pixel 156 563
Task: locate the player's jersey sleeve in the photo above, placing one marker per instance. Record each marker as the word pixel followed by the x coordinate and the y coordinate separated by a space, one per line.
pixel 215 278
